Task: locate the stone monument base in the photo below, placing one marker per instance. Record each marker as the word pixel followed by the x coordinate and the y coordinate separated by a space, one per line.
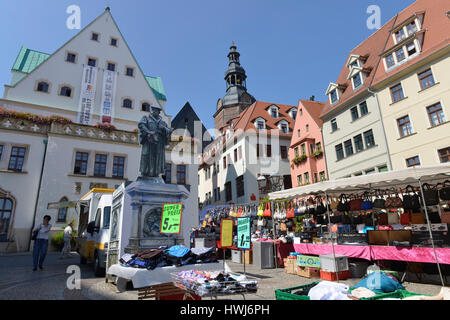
pixel 145 198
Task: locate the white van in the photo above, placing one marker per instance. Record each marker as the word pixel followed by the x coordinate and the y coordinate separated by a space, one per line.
pixel 94 228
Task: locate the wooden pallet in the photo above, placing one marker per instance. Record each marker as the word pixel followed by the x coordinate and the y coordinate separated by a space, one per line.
pixel 162 290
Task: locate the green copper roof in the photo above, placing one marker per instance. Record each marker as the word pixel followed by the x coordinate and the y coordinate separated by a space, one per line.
pixel 157 87
pixel 27 60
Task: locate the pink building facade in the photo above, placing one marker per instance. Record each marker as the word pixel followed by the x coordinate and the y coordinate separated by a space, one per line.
pixel 306 153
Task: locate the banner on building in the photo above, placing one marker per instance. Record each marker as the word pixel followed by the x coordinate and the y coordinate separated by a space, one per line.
pixel 108 93
pixel 87 95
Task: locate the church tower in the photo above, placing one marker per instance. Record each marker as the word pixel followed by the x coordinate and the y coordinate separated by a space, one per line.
pixel 236 98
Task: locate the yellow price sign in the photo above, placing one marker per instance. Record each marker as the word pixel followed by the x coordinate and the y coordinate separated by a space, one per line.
pixel 226 233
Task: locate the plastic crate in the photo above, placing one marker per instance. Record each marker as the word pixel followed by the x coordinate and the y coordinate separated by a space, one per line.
pixel 332 276
pixel 286 294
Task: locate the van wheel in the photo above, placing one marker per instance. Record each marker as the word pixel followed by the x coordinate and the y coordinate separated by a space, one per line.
pixel 82 260
pixel 98 271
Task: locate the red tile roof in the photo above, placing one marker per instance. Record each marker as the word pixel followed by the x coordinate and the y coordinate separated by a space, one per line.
pixel 370 48
pixel 258 110
pixel 437 30
pixel 314 108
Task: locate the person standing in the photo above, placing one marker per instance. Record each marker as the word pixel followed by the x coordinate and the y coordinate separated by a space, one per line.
pixel 41 242
pixel 67 238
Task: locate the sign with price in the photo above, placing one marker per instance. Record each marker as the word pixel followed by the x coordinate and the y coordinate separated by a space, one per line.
pixel 244 233
pixel 171 218
pixel 226 233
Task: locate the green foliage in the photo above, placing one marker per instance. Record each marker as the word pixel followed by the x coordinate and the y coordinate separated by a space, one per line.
pixel 58 240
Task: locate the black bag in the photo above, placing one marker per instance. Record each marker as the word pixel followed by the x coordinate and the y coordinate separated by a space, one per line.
pixel 379 203
pixel 34 235
pixel 343 205
pixel 411 202
pixel 320 208
pixel 431 195
pixel 346 219
pixel 444 193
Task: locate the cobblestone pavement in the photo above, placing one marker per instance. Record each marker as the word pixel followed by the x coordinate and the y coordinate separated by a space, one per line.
pixel 18 281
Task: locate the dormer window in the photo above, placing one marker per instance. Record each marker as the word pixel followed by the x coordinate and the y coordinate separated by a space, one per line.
pixel 400 54
pixel 283 126
pixel 293 113
pixel 354 64
pixel 411 28
pixel 411 48
pixel 357 80
pixel 400 35
pixel 274 112
pixel 333 96
pixel 260 124
pixel 390 60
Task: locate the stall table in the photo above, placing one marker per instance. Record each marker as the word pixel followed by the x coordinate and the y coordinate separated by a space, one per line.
pixel 145 278
pixel 371 253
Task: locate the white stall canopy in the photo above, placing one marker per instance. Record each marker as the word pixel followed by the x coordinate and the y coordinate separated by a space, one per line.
pixel 431 174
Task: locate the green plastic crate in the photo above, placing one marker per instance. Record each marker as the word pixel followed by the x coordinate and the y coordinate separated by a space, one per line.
pixel 285 294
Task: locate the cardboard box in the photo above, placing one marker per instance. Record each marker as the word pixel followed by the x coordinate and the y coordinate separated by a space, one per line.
pixel 308 272
pixel 378 237
pixel 291 268
pixel 399 235
pixel 248 257
pixel 445 217
pixel 308 261
pixel 417 218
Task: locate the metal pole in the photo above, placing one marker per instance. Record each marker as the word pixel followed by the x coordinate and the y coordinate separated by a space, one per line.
pixel 332 243
pixel 244 262
pixel 429 230
pixel 274 236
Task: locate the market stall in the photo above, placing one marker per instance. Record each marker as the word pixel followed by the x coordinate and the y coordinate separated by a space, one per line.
pixel 397 215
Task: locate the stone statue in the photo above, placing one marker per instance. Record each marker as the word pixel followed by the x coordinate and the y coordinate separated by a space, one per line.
pixel 154 136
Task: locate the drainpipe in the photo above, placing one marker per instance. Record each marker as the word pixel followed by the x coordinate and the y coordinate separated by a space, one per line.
pixel 324 153
pixel 382 127
pixel 376 98
pixel 39 190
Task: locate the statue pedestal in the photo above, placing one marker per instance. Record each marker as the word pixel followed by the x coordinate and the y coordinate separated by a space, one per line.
pixel 145 199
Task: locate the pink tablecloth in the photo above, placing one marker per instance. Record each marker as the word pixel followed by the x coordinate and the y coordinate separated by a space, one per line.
pixel 413 254
pixel 362 252
pixel 378 252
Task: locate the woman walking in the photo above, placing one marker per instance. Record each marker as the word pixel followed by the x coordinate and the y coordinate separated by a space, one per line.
pixel 41 242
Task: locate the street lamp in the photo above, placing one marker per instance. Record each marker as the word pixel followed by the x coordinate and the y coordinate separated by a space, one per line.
pixel 262 184
pixel 276 182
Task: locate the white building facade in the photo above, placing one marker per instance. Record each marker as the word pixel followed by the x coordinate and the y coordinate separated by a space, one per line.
pixel 48 162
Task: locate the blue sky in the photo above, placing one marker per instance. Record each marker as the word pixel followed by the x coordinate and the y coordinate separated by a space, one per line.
pixel 290 49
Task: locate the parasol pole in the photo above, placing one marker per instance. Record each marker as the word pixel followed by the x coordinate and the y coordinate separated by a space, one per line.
pixel 429 230
pixel 332 243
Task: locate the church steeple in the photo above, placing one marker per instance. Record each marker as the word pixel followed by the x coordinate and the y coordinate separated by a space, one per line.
pixel 235 74
pixel 236 98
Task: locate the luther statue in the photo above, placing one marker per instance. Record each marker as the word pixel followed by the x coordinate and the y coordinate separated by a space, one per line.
pixel 154 135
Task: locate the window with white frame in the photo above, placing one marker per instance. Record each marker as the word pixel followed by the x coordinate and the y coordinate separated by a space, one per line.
pixel 333 96
pixel 274 112
pixel 357 80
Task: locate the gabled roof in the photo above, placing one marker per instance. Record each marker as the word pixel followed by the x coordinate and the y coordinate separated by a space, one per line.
pixel 28 60
pixel 258 110
pixel 314 108
pixel 370 48
pixel 435 31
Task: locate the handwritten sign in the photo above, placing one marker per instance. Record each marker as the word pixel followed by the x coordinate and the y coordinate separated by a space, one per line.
pixel 243 233
pixel 171 218
pixel 226 233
